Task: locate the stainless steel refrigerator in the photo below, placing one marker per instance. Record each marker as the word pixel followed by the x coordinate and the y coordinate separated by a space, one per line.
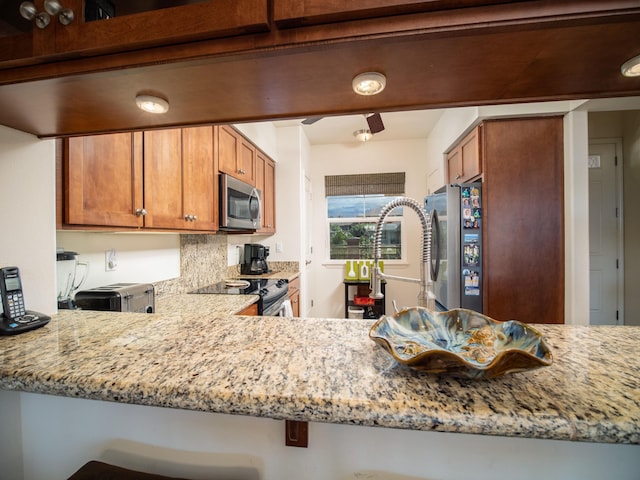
pixel 456 248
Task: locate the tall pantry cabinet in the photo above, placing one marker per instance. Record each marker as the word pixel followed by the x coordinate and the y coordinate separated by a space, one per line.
pixel 521 167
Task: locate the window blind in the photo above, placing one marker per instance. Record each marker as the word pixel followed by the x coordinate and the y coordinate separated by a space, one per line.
pixel 365 184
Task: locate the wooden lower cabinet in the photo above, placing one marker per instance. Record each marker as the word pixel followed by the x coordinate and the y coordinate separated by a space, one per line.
pixel 251 310
pixel 523 212
pixel 294 296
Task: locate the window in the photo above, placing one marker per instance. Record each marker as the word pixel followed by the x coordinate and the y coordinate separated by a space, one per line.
pixel 354 203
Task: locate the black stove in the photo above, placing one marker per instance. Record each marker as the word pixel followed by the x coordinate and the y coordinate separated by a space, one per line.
pixel 272 292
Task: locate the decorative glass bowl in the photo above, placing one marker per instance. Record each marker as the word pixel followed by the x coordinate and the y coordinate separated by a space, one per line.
pixel 460 342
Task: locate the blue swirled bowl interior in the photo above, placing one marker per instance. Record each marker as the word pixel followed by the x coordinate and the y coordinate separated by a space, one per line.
pixel 460 342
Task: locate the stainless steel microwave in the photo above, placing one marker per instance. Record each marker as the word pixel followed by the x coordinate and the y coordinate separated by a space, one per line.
pixel 240 205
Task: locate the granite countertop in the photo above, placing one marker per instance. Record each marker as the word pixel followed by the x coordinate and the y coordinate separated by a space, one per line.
pixel 213 304
pixel 323 370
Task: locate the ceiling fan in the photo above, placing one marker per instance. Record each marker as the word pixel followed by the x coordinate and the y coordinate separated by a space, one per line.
pixel 374 121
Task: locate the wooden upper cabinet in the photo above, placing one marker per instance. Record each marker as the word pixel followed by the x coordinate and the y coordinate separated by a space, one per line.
pixel 265 182
pixel 268 187
pixel 247 161
pixel 200 175
pixel 20 40
pixel 188 21
pixel 163 179
pixel 179 179
pixel 464 161
pixel 103 180
pixel 296 13
pixel 160 179
pixel 236 155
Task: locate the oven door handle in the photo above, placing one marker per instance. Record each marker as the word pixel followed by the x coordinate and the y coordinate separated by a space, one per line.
pixel 276 313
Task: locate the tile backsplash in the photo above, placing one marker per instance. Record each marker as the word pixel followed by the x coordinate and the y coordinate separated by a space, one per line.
pixel 203 261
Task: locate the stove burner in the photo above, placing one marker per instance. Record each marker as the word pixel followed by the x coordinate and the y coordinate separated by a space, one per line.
pixel 272 292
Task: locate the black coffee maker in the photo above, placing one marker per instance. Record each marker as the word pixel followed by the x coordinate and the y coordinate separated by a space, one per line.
pixel 255 259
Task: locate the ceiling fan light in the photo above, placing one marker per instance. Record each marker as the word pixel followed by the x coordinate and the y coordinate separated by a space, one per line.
pixel 631 68
pixel 363 135
pixel 369 83
pixel 152 104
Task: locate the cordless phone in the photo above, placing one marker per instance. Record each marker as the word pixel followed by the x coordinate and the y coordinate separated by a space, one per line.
pixel 15 318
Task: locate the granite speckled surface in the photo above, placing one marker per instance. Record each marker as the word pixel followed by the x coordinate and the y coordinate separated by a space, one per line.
pixel 196 356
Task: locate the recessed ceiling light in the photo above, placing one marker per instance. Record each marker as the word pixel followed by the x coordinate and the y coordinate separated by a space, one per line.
pixel 363 135
pixel 631 68
pixel 369 83
pixel 152 104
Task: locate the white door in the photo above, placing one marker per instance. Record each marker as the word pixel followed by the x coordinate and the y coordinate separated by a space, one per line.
pixel 308 247
pixel 605 233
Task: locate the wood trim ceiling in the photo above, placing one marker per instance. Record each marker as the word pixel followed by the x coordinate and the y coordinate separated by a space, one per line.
pixel 490 55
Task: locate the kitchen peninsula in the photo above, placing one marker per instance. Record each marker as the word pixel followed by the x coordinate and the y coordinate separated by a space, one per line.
pixel 328 372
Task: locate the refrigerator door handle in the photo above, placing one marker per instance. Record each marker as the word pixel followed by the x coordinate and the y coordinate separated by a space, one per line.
pixel 434 265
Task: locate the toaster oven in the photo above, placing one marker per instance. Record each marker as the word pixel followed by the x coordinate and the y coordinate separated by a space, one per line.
pixel 118 297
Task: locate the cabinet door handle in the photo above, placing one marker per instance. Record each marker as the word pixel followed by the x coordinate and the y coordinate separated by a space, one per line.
pixel 241 172
pixel 141 212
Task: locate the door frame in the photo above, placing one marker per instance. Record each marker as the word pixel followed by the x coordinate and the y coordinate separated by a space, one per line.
pixel 617 141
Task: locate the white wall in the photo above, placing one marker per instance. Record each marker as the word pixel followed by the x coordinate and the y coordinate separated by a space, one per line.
pixel 282 145
pixel 373 157
pixel 626 125
pixel 64 433
pixel 141 257
pixel 576 218
pixel 27 217
pixel 291 152
pixel 451 127
pixel 631 148
pixel 262 134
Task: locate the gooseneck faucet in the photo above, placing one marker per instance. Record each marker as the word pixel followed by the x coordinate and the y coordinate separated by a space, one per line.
pixel 426 297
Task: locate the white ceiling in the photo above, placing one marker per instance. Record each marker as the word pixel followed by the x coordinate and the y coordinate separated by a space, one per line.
pixel 415 124
pixel 398 126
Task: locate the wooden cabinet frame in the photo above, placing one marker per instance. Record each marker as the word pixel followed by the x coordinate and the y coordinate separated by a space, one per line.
pixel 523 214
pixel 186 23
pixel 294 296
pixel 464 161
pixel 161 179
pixel 265 182
pixel 236 155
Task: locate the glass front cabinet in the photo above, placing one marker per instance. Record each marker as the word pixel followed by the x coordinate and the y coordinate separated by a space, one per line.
pixel 39 31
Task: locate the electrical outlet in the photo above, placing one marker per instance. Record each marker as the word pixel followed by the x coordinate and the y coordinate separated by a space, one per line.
pixel 110 260
pixel 278 247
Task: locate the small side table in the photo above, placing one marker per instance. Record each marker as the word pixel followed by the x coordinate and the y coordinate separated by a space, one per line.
pixel 360 288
